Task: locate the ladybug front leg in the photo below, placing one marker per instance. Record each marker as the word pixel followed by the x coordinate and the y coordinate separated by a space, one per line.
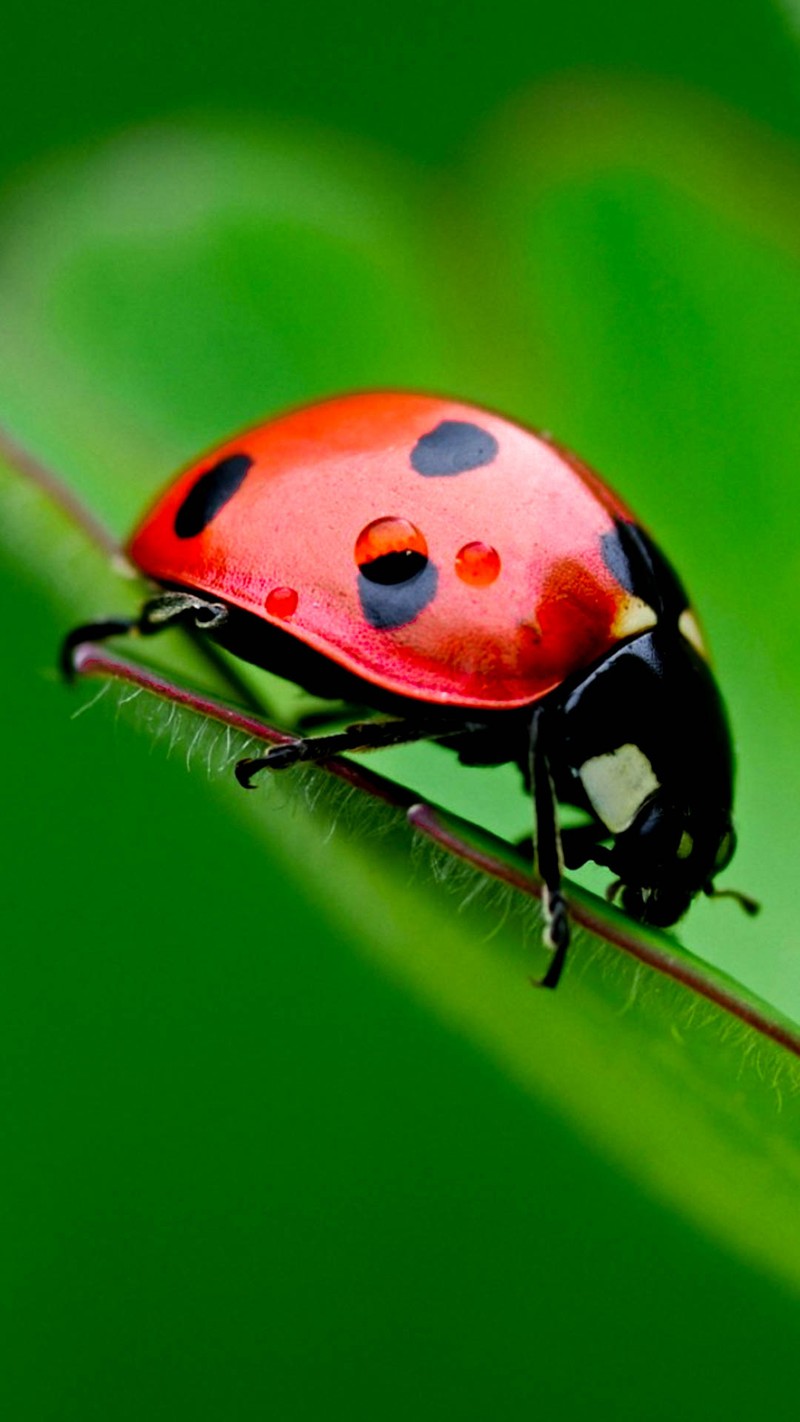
pixel 159 612
pixel 548 855
pixel 91 632
pixel 363 736
pixel 580 844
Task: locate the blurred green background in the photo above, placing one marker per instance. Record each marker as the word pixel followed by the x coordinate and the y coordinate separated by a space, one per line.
pixel 285 1132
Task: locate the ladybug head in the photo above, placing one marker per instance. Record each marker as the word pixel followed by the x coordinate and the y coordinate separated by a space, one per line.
pixel 644 733
pixel 669 854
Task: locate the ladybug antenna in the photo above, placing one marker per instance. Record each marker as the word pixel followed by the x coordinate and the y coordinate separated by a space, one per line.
pixel 750 906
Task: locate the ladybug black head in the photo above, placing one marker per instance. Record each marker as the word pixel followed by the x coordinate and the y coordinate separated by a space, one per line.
pixel 645 737
pixel 668 855
pixel 659 907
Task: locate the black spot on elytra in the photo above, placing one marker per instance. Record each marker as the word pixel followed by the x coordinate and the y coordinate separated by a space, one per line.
pixel 640 567
pixel 393 568
pixel 452 448
pixel 211 492
pixel 387 606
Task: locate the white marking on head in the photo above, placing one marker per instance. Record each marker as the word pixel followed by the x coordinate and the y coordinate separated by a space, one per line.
pixel 687 626
pixel 617 785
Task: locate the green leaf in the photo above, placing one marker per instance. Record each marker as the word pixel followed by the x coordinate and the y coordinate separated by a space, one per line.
pixel 230 1133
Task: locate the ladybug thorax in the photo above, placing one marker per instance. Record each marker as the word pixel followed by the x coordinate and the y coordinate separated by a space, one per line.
pixel 435 549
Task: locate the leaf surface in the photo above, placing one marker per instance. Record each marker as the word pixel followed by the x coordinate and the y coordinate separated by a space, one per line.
pixel 204 1005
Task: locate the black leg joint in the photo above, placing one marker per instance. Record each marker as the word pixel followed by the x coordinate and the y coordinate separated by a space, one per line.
pixel 173 607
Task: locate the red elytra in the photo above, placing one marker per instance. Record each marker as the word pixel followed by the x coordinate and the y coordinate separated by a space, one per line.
pixel 431 547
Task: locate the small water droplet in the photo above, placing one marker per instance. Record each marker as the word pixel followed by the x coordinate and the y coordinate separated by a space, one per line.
pixel 388 535
pixel 478 564
pixel 281 602
pixel 391 551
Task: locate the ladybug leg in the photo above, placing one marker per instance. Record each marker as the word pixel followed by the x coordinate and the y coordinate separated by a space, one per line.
pixel 170 607
pixel 548 856
pixel 158 612
pixel 90 632
pixel 580 844
pixel 363 736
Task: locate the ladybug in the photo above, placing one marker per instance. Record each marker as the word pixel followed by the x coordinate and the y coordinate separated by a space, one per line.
pixel 482 586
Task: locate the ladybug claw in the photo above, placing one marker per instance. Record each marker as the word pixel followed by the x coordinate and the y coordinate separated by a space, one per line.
pixel 552 977
pixel 556 936
pixel 279 758
pixel 243 771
